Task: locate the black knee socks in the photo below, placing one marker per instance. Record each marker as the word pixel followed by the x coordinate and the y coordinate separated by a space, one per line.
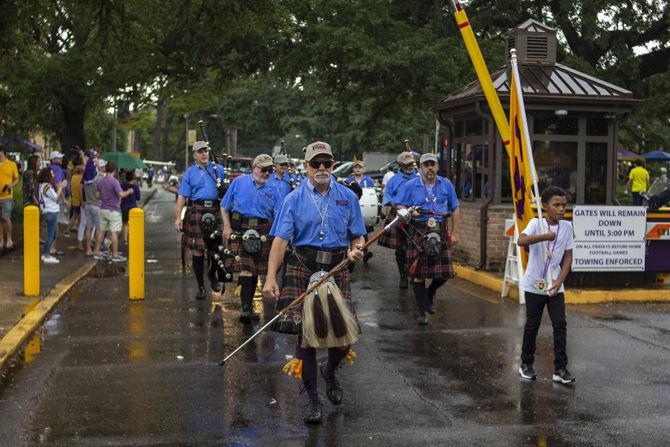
pixel 400 261
pixel 335 356
pixel 247 289
pixel 434 285
pixel 421 298
pixel 308 357
pixel 199 269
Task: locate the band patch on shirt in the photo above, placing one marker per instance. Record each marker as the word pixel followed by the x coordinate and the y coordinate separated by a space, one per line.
pixel 342 202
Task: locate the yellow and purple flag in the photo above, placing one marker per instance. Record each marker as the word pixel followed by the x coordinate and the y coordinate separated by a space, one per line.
pixel 519 165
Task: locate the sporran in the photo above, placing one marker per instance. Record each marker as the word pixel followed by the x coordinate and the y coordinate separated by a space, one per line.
pixel 327 321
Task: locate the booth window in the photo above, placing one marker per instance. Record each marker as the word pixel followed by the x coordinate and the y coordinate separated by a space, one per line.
pixel 553 125
pixel 595 188
pixel 596 127
pixel 556 165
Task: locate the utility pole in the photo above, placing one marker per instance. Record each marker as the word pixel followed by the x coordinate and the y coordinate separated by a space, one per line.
pixel 114 130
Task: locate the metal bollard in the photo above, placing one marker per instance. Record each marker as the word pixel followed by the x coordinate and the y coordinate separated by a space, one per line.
pixel 136 254
pixel 31 251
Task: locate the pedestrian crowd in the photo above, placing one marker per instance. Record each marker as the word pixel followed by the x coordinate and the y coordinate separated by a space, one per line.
pixel 77 194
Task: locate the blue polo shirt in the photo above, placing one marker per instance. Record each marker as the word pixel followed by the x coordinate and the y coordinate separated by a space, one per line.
pixel 299 220
pixel 250 200
pixel 199 183
pixel 394 185
pixel 366 182
pixel 283 185
pixel 441 197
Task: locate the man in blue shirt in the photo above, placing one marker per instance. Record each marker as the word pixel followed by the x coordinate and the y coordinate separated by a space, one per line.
pixel 322 220
pixel 359 176
pixel 281 179
pixel 396 238
pixel 248 209
pixel 199 188
pixel 429 239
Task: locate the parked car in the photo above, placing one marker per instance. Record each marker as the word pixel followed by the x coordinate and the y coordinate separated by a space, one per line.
pixel 238 166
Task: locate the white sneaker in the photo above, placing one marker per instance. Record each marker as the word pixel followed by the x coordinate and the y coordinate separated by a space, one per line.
pixel 48 259
pixel 119 258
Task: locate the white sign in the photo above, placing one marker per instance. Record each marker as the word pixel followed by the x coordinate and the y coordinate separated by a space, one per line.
pixel 608 256
pixel 609 238
pixel 609 223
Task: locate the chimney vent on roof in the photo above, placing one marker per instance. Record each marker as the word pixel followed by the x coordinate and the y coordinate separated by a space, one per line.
pixel 535 43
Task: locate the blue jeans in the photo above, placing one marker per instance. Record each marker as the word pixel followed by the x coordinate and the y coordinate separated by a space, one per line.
pixel 52 224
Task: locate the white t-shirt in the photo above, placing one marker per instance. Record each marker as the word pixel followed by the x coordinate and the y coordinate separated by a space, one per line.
pixel 537 257
pixel 387 177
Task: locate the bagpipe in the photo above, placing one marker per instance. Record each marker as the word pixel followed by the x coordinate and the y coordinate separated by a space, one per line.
pixel 222 183
pixel 217 252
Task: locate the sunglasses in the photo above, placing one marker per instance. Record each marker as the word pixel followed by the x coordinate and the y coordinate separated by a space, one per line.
pixel 283 165
pixel 316 164
pixel 267 170
pixel 429 164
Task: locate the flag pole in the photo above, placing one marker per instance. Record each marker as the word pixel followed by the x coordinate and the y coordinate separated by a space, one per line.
pixel 482 73
pixel 526 134
pixel 529 151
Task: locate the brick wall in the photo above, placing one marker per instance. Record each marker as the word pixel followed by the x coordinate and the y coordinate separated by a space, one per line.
pixel 467 250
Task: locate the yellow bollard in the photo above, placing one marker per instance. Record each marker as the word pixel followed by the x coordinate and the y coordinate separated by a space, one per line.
pixel 136 254
pixel 31 251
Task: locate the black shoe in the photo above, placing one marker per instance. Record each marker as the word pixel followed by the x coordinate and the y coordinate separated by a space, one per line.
pixel 213 282
pixel 404 283
pixel 422 320
pixel 431 309
pixel 334 391
pixel 367 256
pixel 527 372
pixel 201 294
pixel 313 412
pixel 563 376
pixel 245 317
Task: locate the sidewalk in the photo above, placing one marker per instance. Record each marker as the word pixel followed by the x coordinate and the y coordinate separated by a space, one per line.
pixel 13 304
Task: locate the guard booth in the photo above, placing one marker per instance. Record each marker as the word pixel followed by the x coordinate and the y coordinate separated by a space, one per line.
pixel 573 121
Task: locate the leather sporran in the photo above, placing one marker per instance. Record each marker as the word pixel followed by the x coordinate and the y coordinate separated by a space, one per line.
pixel 327 321
pixel 432 244
pixel 251 242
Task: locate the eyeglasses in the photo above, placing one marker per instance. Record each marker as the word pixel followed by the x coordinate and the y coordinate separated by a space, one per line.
pixel 316 164
pixel 267 170
pixel 429 164
pixel 202 151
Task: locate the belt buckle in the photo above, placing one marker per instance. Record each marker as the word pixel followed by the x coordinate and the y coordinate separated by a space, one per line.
pixel 432 223
pixel 324 257
pixel 253 222
pixel 208 203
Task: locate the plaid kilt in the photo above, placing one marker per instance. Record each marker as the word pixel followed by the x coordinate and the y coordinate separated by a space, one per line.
pixel 395 238
pixel 257 263
pixel 192 236
pixel 296 281
pixel 428 267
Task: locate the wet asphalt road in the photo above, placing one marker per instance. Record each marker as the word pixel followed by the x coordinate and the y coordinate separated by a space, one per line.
pixel 112 372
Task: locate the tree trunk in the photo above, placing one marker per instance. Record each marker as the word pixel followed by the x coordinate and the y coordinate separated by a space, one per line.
pixel 157 147
pixel 165 146
pixel 71 131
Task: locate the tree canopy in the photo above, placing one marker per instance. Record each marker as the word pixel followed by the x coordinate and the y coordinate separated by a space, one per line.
pixel 360 74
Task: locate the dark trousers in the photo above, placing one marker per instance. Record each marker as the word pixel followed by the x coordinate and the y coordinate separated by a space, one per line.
pixel 534 308
pixel 637 199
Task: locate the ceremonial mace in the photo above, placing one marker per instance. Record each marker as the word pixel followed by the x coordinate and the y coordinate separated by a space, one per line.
pixel 403 216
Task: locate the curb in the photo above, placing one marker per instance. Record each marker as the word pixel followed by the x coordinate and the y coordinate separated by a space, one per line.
pixel 21 331
pixel 575 296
